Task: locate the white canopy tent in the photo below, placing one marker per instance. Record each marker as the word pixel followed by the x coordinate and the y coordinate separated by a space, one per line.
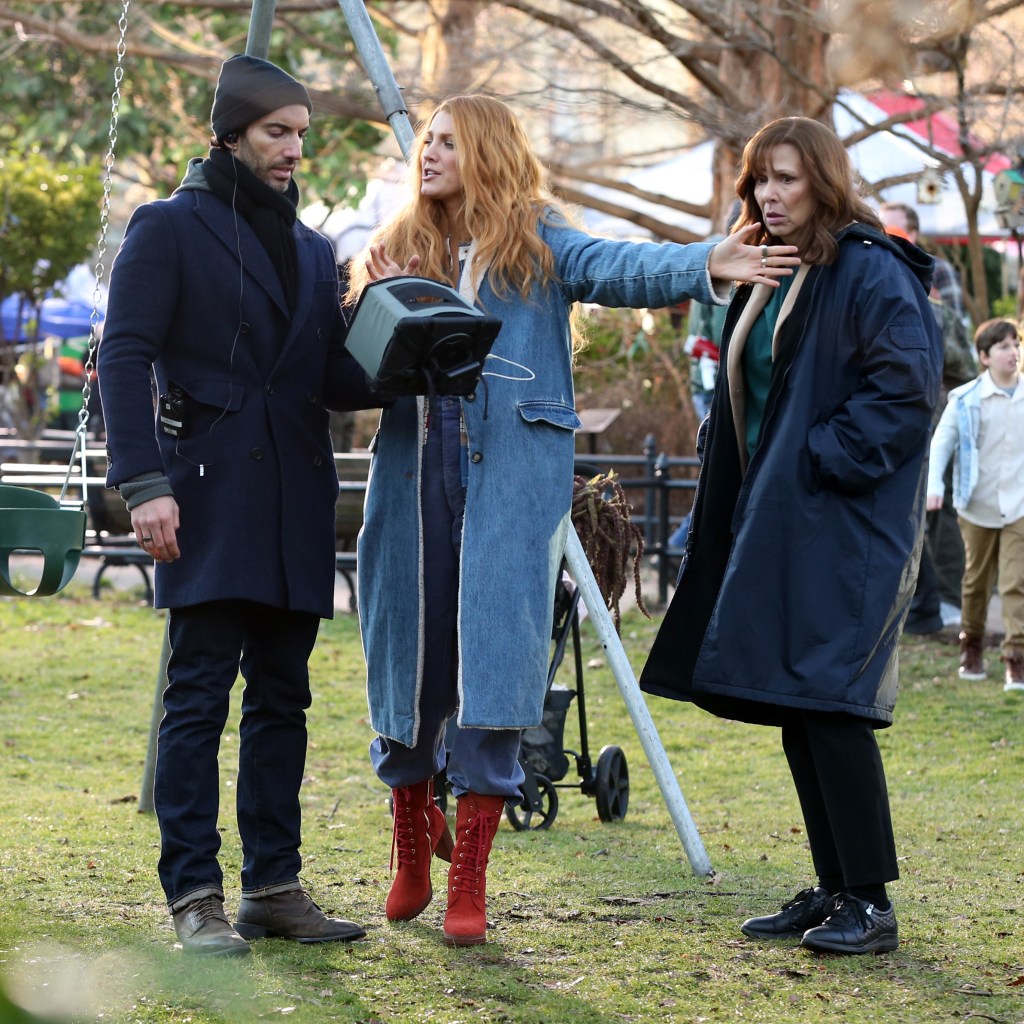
pixel 893 153
pixel 886 154
pixel 349 227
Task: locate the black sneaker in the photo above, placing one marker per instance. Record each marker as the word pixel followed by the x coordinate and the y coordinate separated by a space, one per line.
pixel 806 909
pixel 854 926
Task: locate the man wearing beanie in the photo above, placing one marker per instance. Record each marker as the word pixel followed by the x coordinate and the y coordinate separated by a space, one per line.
pixel 230 305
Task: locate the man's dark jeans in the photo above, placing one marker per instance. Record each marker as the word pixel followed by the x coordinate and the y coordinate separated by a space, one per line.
pixel 209 644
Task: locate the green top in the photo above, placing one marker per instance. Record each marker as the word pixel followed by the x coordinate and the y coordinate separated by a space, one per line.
pixel 757 362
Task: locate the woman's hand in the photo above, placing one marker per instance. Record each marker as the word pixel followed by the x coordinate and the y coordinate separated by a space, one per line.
pixel 733 260
pixel 380 266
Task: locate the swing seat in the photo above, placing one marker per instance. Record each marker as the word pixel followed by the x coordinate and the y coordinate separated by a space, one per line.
pixel 33 522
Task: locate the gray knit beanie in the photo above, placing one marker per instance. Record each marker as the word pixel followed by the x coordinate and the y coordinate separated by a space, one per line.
pixel 250 88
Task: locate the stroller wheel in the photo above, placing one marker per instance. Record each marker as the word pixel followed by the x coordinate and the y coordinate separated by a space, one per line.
pixel 611 784
pixel 522 816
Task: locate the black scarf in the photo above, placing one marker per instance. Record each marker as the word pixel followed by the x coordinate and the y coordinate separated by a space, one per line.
pixel 270 213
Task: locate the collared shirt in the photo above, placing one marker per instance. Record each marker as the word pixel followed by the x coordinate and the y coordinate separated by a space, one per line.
pixel 998 497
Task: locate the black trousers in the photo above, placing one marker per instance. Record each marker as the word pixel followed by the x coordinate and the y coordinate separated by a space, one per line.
pixel 837 769
pixel 210 644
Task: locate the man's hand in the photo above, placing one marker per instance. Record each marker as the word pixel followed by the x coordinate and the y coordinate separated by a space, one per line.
pixel 156 525
pixel 733 260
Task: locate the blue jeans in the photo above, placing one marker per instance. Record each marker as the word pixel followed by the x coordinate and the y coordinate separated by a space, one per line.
pixel 210 643
pixel 484 761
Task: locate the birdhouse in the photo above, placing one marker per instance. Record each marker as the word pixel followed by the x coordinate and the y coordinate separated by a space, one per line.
pixel 1008 187
pixel 929 187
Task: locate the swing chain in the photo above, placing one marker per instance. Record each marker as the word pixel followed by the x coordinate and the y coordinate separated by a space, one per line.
pixel 89 368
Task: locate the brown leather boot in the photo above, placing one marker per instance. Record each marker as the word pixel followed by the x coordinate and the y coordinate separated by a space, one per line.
pixel 202 928
pixel 420 831
pixel 293 915
pixel 476 821
pixel 1014 661
pixel 972 663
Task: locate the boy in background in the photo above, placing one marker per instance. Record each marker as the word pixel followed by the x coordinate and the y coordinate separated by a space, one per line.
pixel 982 426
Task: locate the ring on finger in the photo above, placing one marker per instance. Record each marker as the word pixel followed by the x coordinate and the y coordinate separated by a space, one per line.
pixel 764 262
pixel 764 254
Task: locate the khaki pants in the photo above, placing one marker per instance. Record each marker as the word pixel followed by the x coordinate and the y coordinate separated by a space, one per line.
pixel 990 555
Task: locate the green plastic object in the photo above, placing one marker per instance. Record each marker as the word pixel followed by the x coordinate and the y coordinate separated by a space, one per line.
pixel 32 522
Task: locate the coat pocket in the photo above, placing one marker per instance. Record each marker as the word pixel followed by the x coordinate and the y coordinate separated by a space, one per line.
pixel 221 393
pixel 208 412
pixel 556 414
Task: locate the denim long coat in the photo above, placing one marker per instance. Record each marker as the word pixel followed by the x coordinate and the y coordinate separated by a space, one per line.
pixel 253 473
pixel 799 568
pixel 520 425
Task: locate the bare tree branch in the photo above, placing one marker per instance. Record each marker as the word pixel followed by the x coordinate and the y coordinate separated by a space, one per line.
pixel 563 172
pixel 625 67
pixel 657 227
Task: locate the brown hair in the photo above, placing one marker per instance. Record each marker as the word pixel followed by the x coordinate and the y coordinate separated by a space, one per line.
pixel 991 332
pixel 831 177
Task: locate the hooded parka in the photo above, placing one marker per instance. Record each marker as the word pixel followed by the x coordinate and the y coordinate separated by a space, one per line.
pixel 799 568
pixel 520 427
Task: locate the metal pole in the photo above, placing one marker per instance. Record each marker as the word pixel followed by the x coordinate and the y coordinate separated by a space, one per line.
pixel 651 454
pixel 576 558
pixel 149 768
pixel 662 474
pixel 261 23
pixel 379 71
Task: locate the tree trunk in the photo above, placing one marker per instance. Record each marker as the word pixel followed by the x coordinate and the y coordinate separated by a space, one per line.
pixel 781 78
pixel 449 50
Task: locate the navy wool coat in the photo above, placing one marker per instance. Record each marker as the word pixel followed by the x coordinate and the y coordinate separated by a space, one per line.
pixel 194 295
pixel 799 568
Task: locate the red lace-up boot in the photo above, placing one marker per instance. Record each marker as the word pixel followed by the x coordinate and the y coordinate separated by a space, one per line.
pixel 420 831
pixel 476 821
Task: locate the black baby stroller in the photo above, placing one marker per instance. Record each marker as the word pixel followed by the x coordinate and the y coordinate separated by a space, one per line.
pixel 542 754
pixel 544 759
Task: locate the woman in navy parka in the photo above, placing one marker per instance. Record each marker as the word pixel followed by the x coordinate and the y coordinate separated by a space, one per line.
pixel 468 500
pixel 805 534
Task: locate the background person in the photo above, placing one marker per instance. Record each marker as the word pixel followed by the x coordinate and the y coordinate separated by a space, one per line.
pixel 704 335
pixel 800 561
pixel 703 345
pixel 946 283
pixel 469 499
pixel 937 597
pixel 981 429
pixel 232 304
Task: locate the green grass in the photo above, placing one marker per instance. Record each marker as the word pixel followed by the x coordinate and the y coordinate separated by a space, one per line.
pixel 592 922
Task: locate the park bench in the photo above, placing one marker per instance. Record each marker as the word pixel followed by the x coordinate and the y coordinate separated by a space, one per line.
pixel 650 479
pixel 109 538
